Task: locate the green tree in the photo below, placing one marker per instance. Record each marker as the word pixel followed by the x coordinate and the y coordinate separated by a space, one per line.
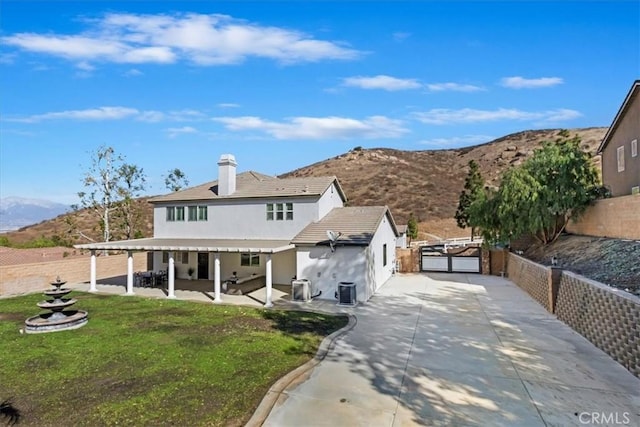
pixel 540 197
pixel 412 228
pixel 176 180
pixel 473 185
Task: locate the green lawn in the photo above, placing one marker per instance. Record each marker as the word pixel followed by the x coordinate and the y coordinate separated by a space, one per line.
pixel 151 362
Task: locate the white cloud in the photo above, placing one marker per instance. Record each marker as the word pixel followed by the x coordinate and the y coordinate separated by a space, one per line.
pixel 518 82
pixel 443 116
pixel 164 39
pixel 115 113
pixel 381 82
pixel 318 127
pixel 227 105
pixel 455 87
pixel 173 132
pixel 457 141
pixel 100 113
pixel 134 72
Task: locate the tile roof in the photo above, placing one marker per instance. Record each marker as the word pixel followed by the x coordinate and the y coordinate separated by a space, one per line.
pixel 256 185
pixel 357 224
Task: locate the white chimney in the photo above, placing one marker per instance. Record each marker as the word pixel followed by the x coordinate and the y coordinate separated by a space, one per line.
pixel 227 175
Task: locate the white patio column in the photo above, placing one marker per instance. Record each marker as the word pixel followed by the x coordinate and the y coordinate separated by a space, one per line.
pixel 129 273
pixel 269 284
pixel 92 272
pixel 216 278
pixel 171 293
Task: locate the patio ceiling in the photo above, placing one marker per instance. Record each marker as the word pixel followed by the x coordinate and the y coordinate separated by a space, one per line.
pixel 193 245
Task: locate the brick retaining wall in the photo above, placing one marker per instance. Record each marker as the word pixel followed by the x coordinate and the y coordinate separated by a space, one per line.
pixel 606 316
pixel 531 277
pixel 27 278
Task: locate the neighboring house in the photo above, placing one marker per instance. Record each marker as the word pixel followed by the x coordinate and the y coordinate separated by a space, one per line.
pixel 257 225
pixel 619 148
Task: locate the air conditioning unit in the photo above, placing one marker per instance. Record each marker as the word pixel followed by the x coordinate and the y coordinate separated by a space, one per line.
pixel 347 294
pixel 635 190
pixel 301 290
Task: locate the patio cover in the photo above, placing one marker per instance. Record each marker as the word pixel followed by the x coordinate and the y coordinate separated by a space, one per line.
pixel 193 245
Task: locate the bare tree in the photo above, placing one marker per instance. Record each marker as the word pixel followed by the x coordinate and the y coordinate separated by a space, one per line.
pixel 132 184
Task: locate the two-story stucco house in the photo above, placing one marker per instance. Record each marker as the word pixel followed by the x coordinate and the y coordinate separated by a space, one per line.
pixel 257 225
pixel 619 148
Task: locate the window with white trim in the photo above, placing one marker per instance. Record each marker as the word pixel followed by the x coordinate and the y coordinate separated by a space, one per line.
pixel 384 255
pixel 249 260
pixel 165 257
pixel 184 256
pixel 179 213
pixel 620 157
pixel 171 213
pixel 634 148
pixel 203 213
pixel 193 213
pixel 280 211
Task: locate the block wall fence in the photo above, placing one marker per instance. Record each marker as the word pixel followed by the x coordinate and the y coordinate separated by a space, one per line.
pixel 607 317
pixel 27 278
pixel 617 217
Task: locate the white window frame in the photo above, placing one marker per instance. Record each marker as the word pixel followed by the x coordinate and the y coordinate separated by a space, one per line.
pixel 203 213
pixel 192 213
pixel 180 213
pixel 171 213
pixel 270 214
pixel 634 148
pixel 184 257
pixel 620 158
pixel 248 259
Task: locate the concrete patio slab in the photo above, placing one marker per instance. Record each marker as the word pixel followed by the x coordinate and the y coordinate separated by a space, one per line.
pixel 458 350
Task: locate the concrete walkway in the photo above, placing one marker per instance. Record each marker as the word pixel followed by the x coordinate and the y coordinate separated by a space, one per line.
pixel 459 350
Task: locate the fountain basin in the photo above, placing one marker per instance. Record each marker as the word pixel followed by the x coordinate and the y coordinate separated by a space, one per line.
pixel 56 321
pixel 57 304
pixel 57 292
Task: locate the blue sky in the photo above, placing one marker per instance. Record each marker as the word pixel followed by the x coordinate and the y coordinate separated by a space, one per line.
pixel 285 84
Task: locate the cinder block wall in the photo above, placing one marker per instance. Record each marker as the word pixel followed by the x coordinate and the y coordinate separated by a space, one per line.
pixel 608 317
pixel 616 217
pixel 409 260
pixel 531 277
pixel 28 278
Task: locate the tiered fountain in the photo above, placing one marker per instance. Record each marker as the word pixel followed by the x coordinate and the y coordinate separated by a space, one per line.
pixel 58 319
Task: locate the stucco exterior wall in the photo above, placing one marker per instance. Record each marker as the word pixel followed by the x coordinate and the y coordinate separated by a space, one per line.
pixel 628 129
pixel 381 273
pixel 28 278
pixel 237 219
pixel 617 217
pixel 325 268
pixel 329 200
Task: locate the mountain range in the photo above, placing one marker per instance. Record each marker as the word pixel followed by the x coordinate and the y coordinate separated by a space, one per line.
pixel 425 183
pixel 18 212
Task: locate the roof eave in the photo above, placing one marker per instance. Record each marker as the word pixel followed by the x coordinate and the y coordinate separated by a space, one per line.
pixel 621 112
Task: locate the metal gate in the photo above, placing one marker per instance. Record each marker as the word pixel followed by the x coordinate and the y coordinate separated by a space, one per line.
pixel 439 258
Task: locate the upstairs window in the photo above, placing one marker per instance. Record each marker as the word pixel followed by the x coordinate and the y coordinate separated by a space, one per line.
pixel 193 213
pixel 203 214
pixel 179 213
pixel 171 213
pixel 620 154
pixel 280 211
pixel 634 148
pixel 384 255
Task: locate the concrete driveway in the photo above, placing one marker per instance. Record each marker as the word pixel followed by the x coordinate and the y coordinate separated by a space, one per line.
pixel 459 350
